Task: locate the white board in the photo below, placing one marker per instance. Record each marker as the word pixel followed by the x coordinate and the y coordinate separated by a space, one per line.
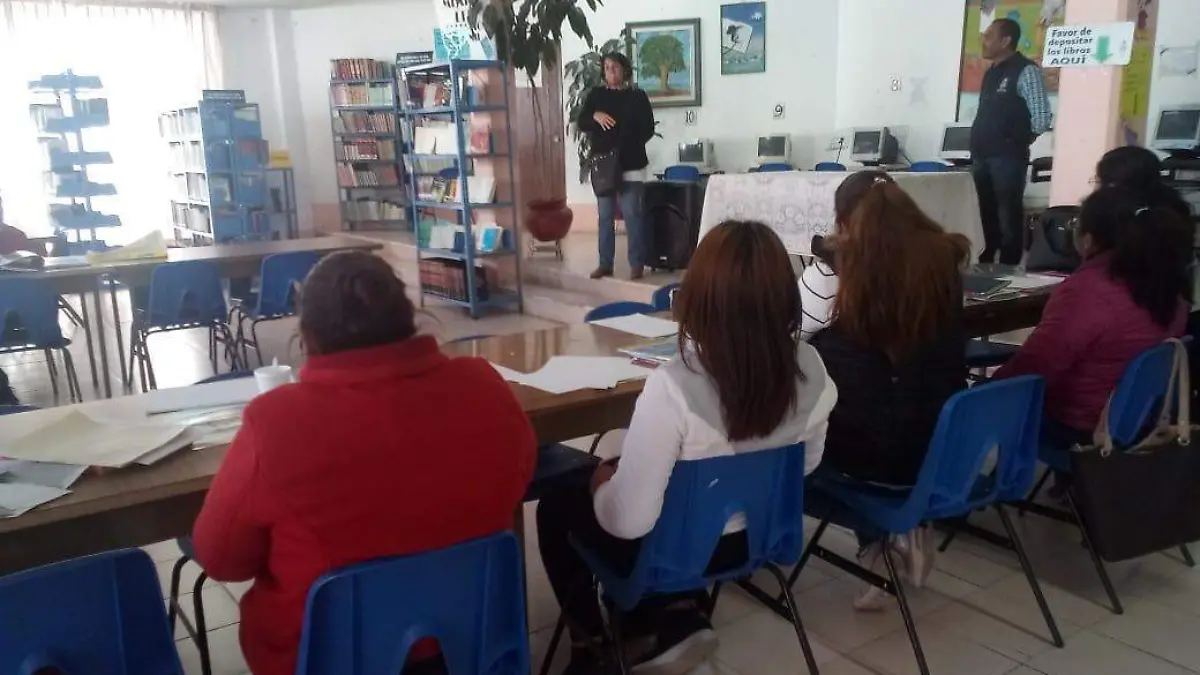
pixel 1083 45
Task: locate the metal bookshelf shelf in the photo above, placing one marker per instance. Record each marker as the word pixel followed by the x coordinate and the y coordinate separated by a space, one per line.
pixel 473 296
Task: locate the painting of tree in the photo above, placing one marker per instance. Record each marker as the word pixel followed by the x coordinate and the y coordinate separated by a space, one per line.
pixel 660 56
pixel 666 60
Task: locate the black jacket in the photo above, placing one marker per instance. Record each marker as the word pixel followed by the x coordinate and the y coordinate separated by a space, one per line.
pixel 631 109
pixel 886 414
pixel 1002 126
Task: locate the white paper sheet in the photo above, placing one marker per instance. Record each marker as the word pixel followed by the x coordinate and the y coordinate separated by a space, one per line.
pixel 563 374
pixel 1030 282
pixel 641 325
pixel 17 498
pixel 78 439
pixel 46 474
pixel 197 397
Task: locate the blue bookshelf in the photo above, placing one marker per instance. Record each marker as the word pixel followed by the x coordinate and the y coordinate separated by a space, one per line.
pixel 63 107
pixel 218 170
pixel 440 100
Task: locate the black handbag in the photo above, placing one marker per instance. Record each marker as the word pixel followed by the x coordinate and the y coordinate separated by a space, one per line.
pixel 1053 245
pixel 1145 498
pixel 605 172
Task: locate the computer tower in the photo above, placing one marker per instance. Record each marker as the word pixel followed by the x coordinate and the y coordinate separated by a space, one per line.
pixel 672 221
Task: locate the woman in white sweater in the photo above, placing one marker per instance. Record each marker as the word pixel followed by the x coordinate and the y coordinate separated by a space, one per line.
pixel 744 382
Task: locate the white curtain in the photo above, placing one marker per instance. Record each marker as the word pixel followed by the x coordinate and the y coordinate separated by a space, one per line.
pixel 149 60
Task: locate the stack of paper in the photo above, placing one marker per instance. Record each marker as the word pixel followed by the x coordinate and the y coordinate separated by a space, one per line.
pixel 25 485
pixel 640 325
pixel 151 246
pixel 80 440
pixel 563 374
pixel 1029 282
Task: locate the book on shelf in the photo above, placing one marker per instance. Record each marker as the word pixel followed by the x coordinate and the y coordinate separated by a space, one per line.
pixel 480 139
pixel 481 189
pixel 366 150
pixel 369 209
pixel 350 121
pixel 430 165
pixel 438 189
pixel 373 94
pixel 377 176
pixel 359 69
pixel 453 192
pixel 424 140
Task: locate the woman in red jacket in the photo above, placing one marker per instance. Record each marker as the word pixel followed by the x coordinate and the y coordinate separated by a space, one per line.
pixel 1130 293
pixel 368 455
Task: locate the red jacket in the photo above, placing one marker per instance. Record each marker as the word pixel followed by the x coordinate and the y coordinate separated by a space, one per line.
pixel 1089 333
pixel 375 452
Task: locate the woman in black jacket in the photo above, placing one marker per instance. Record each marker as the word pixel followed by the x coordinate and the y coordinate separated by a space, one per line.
pixel 619 118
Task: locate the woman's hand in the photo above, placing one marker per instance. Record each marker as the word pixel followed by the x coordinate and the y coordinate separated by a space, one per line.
pixel 603 474
pixel 605 120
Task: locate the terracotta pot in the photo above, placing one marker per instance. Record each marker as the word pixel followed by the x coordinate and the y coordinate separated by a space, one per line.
pixel 548 219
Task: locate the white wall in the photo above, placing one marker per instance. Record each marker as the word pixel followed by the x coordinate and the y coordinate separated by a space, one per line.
pixel 1178 26
pixel 737 109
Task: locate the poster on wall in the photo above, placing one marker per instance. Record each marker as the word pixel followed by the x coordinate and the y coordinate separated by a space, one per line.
pixel 453 38
pixel 1034 16
pixel 666 61
pixel 744 38
pixel 1135 81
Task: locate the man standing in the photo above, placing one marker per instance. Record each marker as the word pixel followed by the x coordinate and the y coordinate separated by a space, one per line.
pixel 1013 111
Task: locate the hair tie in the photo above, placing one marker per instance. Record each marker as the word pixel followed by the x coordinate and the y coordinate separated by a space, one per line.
pixel 880 180
pixel 1141 211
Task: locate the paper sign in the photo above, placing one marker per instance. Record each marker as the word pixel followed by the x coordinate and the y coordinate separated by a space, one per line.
pixel 1108 44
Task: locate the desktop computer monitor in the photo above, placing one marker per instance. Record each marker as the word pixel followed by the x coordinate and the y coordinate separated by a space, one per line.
pixel 774 149
pixel 956 143
pixel 873 146
pixel 696 152
pixel 1178 129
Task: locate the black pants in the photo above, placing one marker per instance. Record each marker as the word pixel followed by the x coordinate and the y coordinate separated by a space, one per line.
pixel 1000 184
pixel 569 512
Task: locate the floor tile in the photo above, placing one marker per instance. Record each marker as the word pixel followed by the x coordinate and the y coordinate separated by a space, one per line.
pixel 1181 591
pixel 238 588
pixel 828 614
pixel 946 652
pixel 1170 633
pixel 220 609
pixel 1012 600
pixel 1091 654
pixel 765 644
pixel 163 551
pixel 224 651
pixel 845 666
pixel 187 576
pixel 982 628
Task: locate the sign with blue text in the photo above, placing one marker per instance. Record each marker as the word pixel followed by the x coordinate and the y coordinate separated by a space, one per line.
pixel 1109 44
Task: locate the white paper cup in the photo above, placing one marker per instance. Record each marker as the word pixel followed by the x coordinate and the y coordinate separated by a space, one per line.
pixel 270 377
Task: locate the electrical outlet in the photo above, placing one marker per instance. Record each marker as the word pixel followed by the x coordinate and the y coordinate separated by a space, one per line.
pixel 836 143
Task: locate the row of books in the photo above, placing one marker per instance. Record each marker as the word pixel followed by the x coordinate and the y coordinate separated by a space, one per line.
pixel 359 69
pixel 186 155
pixel 383 175
pixel 440 138
pixel 363 94
pixel 373 209
pixel 179 123
pixel 366 149
pixel 448 278
pixel 430 165
pixel 428 90
pixel 480 189
pixel 366 122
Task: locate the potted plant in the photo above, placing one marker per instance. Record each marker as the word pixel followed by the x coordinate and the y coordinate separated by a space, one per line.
pixel 527 38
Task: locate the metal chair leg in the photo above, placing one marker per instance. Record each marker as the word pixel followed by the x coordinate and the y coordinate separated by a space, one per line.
pixel 149 363
pixel 902 600
pixel 1187 556
pixel 257 347
pixel 596 442
pixel 712 600
pixel 614 621
pixel 74 391
pixel 554 640
pixel 52 367
pixel 948 540
pixel 201 637
pixel 1027 567
pixel 809 658
pixel 1037 490
pixel 808 550
pixel 173 596
pixel 1091 549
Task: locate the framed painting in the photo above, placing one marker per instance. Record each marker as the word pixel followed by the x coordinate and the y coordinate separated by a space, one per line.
pixel 744 38
pixel 666 61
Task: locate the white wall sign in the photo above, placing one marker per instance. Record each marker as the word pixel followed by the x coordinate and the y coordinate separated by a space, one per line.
pixel 689 118
pixel 778 112
pixel 1109 44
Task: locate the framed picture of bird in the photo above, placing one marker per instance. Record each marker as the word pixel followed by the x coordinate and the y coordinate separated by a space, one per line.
pixel 744 38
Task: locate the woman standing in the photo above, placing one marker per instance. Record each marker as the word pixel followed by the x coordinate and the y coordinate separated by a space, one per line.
pixel 619 119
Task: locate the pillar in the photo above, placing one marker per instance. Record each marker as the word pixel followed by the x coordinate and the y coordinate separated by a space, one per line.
pixel 1088 120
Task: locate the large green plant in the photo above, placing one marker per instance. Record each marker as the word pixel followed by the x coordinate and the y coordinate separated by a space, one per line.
pixel 581 76
pixel 528 33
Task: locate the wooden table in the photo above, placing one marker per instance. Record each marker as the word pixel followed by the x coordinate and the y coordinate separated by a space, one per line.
pixel 136 506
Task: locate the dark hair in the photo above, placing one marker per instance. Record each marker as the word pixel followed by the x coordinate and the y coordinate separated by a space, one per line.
pixel 1009 29
pixel 853 189
pixel 354 300
pixel 1138 169
pixel 621 60
pixel 1151 247
pixel 739 306
pixel 898 273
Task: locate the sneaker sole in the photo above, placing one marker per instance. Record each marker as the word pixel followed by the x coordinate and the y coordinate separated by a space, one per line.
pixel 683 657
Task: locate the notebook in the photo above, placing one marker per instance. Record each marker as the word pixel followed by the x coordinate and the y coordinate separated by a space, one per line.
pixel 979 286
pixel 659 351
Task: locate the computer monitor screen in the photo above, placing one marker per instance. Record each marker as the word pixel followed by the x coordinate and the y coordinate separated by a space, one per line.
pixel 866 142
pixel 772 146
pixel 691 153
pixel 957 139
pixel 1178 125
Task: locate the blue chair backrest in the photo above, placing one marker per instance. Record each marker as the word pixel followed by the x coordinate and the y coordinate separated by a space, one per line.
pixel 767 486
pixel 14 409
pixel 185 292
pixel 774 166
pixel 829 166
pixel 681 172
pixel 1140 394
pixel 928 167
pixel 662 297
pixel 225 377
pixel 32 305
pixel 362 620
pixel 615 309
pixel 1005 416
pixel 99 615
pixel 278 279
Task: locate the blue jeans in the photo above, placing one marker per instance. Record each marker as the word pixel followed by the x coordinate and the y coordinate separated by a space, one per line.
pixel 1000 184
pixel 630 195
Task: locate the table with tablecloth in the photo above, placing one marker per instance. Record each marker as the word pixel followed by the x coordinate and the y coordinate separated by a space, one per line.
pixel 799 204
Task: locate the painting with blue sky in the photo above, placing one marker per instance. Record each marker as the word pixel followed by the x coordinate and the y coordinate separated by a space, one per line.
pixel 666 61
pixel 744 38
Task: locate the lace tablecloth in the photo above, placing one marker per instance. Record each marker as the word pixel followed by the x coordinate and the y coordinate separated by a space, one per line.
pixel 799 204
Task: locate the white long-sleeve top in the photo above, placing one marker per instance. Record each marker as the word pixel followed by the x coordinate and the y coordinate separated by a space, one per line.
pixel 818 286
pixel 678 417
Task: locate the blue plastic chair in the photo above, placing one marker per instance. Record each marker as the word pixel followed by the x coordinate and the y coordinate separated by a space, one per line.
pixel 1135 403
pixel 766 486
pixel 770 167
pixel 182 296
pixel 982 354
pixel 1005 416
pixel 101 615
pixel 682 172
pixel 928 167
pixel 616 309
pixel 829 166
pixel 14 409
pixel 364 619
pixel 279 280
pixel 662 297
pixel 29 322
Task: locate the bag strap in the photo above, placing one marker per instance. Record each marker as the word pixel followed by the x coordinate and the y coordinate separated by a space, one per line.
pixel 1178 388
pixel 1183 392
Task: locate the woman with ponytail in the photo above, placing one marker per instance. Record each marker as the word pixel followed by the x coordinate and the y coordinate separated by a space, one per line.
pixel 1130 293
pixel 1139 170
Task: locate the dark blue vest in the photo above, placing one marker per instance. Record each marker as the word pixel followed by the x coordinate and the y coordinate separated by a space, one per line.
pixel 1002 125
